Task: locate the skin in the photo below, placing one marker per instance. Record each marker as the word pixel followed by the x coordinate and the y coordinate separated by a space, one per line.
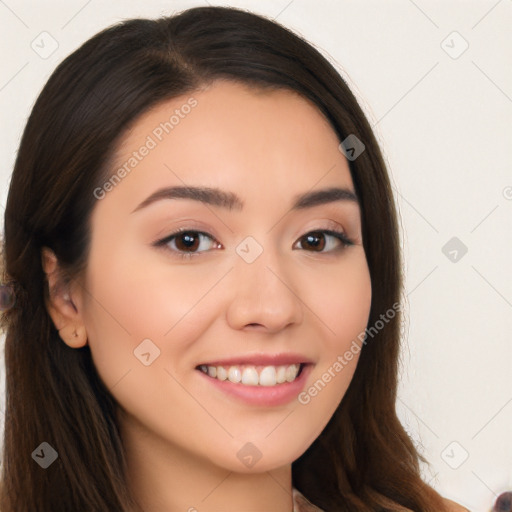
pixel 181 434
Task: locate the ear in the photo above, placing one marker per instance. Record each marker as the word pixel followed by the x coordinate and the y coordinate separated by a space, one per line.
pixel 60 304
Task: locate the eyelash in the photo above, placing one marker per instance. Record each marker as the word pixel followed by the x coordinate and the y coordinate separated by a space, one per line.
pixel 345 241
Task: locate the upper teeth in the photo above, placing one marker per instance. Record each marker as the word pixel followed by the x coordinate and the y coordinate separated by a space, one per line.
pixel 249 375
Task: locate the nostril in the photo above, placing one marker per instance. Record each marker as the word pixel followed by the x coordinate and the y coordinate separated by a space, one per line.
pixel 503 503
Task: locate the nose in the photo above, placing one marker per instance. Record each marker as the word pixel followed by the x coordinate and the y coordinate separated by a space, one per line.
pixel 263 296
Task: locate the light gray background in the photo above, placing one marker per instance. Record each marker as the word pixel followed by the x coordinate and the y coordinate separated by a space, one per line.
pixel 443 117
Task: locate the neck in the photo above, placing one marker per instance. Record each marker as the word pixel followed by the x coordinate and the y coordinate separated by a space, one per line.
pixel 166 478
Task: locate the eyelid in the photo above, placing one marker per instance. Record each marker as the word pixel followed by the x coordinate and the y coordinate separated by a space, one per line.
pixel 183 226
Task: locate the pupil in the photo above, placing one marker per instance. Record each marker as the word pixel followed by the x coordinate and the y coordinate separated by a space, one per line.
pixel 188 240
pixel 315 240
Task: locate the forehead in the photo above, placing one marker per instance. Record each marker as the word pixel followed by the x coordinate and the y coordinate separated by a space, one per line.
pixel 230 135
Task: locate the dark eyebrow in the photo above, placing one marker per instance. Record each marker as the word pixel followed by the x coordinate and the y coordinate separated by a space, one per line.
pixel 229 200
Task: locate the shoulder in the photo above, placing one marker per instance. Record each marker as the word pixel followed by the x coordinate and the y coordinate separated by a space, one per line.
pixel 452 506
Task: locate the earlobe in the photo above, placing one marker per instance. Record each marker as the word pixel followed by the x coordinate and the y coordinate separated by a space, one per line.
pixel 74 336
pixel 59 303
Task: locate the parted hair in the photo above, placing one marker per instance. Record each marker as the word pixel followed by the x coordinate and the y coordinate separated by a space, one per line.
pixel 363 460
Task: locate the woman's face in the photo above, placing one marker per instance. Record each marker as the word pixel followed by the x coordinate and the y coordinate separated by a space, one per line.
pixel 252 275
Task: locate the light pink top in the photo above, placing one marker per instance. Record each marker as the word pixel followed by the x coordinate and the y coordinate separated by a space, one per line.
pixel 301 504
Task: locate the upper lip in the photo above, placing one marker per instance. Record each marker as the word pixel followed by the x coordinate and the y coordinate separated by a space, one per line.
pixel 260 360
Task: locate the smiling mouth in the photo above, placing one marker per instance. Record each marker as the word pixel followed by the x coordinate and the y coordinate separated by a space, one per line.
pixel 254 375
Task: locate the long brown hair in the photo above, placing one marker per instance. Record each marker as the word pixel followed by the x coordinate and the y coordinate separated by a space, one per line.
pixel 363 460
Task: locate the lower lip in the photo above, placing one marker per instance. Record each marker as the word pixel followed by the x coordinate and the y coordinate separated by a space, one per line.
pixel 267 396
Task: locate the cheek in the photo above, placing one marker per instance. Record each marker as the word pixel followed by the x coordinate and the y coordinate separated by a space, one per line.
pixel 344 308
pixel 141 295
pixel 130 300
pixel 341 298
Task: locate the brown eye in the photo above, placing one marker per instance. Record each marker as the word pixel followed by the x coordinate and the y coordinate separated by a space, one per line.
pixel 188 242
pixel 317 241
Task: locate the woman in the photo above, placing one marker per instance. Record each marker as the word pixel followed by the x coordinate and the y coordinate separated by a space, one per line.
pixel 202 242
